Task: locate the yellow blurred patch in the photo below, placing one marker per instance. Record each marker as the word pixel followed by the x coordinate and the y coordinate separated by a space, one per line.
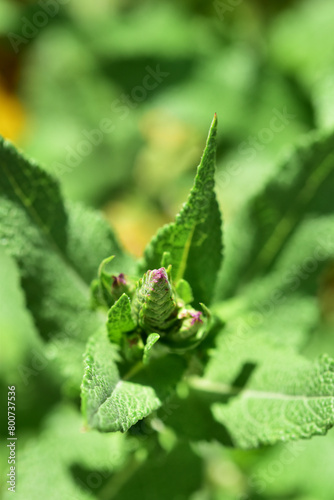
pixel 11 115
pixel 134 223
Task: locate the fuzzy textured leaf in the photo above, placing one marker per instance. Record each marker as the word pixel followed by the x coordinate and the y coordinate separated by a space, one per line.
pixel 35 231
pixel 120 319
pixel 90 240
pixel 288 224
pixel 287 398
pixel 47 460
pixel 194 240
pixel 111 404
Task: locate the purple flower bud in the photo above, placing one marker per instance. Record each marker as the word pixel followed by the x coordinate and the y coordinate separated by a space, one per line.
pixel 119 286
pixel 118 280
pixel 190 322
pixel 196 317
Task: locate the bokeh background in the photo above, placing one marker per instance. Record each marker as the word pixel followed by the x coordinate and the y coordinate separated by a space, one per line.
pixel 68 65
pixel 115 98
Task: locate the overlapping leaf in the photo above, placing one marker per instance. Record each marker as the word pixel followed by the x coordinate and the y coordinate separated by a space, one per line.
pixel 37 232
pixel 112 404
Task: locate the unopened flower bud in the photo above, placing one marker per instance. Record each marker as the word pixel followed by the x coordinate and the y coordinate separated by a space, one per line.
pixel 191 322
pixel 118 286
pixel 154 305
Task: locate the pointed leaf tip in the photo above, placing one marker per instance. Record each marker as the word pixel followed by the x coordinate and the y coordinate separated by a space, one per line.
pixel 211 141
pixel 214 122
pixel 196 230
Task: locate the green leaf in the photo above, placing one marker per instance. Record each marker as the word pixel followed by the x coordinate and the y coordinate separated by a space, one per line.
pixel 288 224
pixel 112 404
pixel 108 403
pixel 33 231
pixel 37 232
pixel 120 319
pixel 287 398
pixel 90 240
pixel 296 460
pixel 51 462
pixel 252 336
pixel 184 291
pixel 18 335
pixel 194 240
pixel 265 308
pixel 25 184
pixel 101 286
pixel 151 340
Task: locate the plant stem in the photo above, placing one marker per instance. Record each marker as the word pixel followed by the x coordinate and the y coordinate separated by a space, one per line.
pixel 117 481
pixel 201 384
pixel 134 370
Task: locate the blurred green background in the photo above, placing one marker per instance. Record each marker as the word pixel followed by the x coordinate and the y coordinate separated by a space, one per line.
pixel 157 71
pixel 115 98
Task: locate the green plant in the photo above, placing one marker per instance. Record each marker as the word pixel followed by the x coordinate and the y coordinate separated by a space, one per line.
pixel 176 350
